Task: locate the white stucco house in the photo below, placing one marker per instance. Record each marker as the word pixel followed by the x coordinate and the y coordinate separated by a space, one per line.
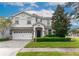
pixel 28 26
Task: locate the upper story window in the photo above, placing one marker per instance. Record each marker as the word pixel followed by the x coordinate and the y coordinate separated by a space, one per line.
pixel 38 20
pixel 16 18
pixel 41 20
pixel 28 21
pixel 16 22
pixel 28 17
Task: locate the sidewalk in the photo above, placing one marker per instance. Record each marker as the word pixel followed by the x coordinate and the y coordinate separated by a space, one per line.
pixel 50 49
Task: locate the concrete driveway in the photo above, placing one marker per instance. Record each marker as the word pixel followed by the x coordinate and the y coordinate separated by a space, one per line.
pixel 10 48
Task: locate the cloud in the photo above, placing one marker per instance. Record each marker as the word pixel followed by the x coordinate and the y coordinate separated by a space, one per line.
pixel 43 12
pixel 46 13
pixel 55 3
pixel 21 4
pixel 24 9
pixel 30 7
pixel 15 3
pixel 34 5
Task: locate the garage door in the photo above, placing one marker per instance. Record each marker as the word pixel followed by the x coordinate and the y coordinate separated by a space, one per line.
pixel 22 35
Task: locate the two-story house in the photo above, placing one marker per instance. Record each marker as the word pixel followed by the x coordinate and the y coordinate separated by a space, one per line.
pixel 28 26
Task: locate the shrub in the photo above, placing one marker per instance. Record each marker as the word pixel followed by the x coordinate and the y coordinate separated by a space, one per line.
pixel 51 39
pixel 4 39
pixel 50 35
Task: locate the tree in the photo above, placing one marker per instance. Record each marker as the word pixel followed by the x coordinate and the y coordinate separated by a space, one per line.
pixel 60 22
pixel 4 24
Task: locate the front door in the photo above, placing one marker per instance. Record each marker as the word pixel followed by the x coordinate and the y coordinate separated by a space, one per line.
pixel 38 32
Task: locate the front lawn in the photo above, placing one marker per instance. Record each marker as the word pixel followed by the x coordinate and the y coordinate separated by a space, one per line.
pixel 73 44
pixel 48 54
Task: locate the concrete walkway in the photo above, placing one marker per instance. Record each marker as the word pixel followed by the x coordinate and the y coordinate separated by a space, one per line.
pixel 50 49
pixel 10 48
pixel 8 51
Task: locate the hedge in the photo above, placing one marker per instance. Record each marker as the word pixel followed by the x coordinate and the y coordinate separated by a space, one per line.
pixel 51 39
pixel 4 39
pixel 50 35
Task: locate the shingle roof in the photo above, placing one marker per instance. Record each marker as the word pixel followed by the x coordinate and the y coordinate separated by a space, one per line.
pixel 33 15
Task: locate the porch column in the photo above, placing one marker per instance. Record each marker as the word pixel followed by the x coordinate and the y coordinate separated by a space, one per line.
pixel 43 30
pixel 34 33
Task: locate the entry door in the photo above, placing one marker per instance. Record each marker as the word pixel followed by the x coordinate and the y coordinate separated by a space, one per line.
pixel 38 32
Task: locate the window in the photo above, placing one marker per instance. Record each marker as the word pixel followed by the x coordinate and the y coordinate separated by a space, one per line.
pixel 41 20
pixel 28 17
pixel 16 18
pixel 16 22
pixel 38 20
pixel 28 21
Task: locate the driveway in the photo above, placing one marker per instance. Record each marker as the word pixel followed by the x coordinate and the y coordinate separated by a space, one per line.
pixel 10 48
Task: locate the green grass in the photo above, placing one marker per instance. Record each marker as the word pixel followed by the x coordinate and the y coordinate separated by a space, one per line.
pixel 73 44
pixel 47 54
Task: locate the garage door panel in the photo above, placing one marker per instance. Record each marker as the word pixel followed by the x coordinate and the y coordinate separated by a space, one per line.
pixel 22 35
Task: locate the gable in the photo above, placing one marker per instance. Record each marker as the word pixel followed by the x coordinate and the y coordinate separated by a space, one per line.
pixel 25 15
pixel 21 15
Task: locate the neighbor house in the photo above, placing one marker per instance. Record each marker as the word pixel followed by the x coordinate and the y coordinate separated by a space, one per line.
pixel 28 26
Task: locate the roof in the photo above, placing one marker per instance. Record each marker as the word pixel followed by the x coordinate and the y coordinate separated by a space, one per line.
pixel 31 14
pixel 40 13
pixel 39 23
pixel 20 13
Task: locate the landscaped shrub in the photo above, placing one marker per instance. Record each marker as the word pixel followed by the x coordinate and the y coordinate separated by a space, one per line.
pixel 51 39
pixel 50 35
pixel 4 39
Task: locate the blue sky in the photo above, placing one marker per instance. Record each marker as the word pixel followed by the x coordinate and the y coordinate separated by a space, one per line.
pixel 9 8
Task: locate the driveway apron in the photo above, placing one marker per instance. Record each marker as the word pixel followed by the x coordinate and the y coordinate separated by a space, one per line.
pixel 10 48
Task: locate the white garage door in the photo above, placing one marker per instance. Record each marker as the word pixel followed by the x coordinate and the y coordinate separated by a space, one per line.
pixel 26 35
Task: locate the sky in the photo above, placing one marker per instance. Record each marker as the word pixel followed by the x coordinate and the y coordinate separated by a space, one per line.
pixel 46 9
pixel 9 8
